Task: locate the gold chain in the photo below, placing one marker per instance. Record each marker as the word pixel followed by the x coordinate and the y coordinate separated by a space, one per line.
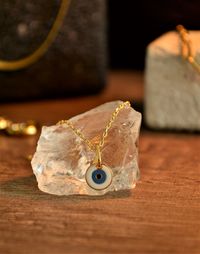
pixel 90 145
pixel 13 65
pixel 28 128
pixel 186 47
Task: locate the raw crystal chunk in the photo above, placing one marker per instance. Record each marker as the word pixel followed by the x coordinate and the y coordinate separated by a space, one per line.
pixel 62 158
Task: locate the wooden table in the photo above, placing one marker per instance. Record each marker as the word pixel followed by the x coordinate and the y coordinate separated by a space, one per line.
pixel 161 215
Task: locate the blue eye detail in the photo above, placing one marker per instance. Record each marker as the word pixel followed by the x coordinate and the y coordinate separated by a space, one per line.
pixel 99 176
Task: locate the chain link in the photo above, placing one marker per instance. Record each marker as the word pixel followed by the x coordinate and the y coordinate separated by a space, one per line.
pixel 186 47
pixel 90 145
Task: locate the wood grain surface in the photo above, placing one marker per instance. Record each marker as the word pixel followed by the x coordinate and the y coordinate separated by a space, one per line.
pixel 161 215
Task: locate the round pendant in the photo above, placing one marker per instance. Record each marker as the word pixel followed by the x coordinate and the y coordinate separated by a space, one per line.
pixel 98 178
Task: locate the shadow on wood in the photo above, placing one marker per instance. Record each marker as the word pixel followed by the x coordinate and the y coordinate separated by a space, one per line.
pixel 27 187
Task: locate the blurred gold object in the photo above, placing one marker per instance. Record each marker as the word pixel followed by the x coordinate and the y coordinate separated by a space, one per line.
pixel 13 65
pixel 4 123
pixel 186 47
pixel 28 128
pixel 29 157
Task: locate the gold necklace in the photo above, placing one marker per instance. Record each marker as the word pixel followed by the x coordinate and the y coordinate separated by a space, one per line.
pixel 98 176
pixel 13 65
pixel 186 47
pixel 11 128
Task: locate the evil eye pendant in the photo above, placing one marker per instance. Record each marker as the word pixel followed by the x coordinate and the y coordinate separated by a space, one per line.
pixel 98 178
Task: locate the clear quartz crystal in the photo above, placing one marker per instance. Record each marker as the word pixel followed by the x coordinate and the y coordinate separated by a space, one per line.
pixel 62 158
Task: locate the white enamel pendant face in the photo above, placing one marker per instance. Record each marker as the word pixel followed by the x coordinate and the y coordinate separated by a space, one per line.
pixel 98 178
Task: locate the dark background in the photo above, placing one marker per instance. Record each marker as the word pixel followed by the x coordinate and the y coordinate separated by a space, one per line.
pixel 133 24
